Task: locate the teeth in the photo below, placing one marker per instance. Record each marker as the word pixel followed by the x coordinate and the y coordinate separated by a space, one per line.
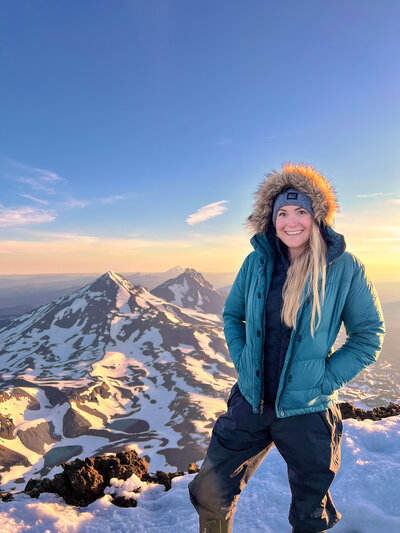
pixel 294 232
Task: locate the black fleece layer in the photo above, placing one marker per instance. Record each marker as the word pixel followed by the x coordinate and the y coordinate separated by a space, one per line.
pixel 277 333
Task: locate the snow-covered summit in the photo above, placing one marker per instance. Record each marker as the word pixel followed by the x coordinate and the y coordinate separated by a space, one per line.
pixel 191 290
pixel 105 367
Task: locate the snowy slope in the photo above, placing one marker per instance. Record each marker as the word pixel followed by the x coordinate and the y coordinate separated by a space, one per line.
pixel 107 367
pixel 365 491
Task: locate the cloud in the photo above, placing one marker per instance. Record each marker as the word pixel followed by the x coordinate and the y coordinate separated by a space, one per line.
pixel 10 217
pixel 396 200
pixel 38 200
pixel 41 180
pixel 73 202
pixel 374 194
pixel 206 212
pixel 111 199
pixel 37 179
pixel 107 200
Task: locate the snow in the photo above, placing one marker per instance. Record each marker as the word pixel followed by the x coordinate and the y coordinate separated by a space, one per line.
pixel 179 291
pixel 365 491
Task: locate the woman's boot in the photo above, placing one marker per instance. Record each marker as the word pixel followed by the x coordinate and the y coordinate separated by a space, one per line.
pixel 215 526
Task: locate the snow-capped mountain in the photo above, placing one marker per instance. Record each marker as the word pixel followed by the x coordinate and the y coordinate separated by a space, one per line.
pixel 106 367
pixel 191 290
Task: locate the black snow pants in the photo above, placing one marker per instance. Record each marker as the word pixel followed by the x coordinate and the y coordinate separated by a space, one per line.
pixel 309 444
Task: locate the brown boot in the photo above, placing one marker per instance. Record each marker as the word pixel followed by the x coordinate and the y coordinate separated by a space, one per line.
pixel 215 526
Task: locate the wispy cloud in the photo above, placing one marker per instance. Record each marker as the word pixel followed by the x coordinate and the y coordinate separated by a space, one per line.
pixel 374 194
pixel 71 203
pixel 41 180
pixel 396 200
pixel 38 200
pixel 36 179
pixel 112 199
pixel 206 212
pixel 22 216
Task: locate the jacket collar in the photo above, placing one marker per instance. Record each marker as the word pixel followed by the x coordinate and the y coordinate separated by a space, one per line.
pixel 267 244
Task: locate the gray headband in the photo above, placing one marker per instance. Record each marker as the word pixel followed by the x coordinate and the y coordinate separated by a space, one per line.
pixel 292 197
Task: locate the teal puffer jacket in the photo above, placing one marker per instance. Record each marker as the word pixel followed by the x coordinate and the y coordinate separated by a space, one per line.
pixel 312 373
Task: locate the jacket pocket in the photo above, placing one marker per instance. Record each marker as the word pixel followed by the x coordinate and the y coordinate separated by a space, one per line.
pixel 326 386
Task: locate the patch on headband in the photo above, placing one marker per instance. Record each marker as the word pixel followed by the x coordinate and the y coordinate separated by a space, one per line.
pixel 291 196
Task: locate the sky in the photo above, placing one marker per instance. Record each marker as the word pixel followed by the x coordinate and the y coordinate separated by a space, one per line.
pixel 134 133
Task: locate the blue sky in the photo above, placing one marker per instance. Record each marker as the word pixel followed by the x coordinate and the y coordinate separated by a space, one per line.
pixel 123 119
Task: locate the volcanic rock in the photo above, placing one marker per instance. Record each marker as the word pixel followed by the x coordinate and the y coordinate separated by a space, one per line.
pixel 74 424
pixel 6 427
pixel 162 478
pixel 193 468
pixel 349 411
pixel 83 481
pixel 9 458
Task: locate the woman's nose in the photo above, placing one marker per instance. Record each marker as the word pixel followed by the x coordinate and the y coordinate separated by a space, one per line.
pixel 291 221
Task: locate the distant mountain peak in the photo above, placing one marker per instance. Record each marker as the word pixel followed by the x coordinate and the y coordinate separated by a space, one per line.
pixel 190 289
pixel 174 271
pixel 195 275
pixel 111 278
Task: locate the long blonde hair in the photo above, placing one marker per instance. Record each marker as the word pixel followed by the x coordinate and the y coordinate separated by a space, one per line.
pixel 308 265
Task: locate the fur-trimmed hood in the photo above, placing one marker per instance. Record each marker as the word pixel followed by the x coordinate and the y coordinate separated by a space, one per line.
pixel 297 176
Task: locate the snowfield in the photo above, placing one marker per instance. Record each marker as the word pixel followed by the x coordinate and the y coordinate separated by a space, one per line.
pixel 365 491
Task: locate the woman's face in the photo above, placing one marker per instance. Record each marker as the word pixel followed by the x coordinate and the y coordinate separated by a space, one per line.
pixel 293 227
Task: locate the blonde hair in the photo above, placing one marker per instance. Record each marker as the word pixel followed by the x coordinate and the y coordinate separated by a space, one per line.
pixel 308 265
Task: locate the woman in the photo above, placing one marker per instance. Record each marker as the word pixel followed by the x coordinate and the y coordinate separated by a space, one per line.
pixel 281 318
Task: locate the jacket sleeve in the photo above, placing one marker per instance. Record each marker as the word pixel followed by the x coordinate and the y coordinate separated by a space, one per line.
pixel 365 328
pixel 234 315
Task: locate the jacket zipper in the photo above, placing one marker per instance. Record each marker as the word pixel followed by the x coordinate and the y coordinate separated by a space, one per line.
pixel 261 404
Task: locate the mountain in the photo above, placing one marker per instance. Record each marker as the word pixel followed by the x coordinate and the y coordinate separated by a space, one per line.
pixel 22 294
pixel 191 290
pixel 108 367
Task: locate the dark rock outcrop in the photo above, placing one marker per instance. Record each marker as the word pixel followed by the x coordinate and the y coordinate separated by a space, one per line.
pixel 6 496
pixel 6 427
pixel 35 487
pixel 36 437
pixel 349 411
pixel 193 468
pixel 9 458
pixel 83 481
pixel 74 424
pixel 162 478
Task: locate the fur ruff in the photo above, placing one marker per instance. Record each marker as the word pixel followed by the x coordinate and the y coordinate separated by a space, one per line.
pixel 298 176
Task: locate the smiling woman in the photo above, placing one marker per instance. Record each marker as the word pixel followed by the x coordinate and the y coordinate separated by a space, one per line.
pixel 293 227
pixel 281 319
